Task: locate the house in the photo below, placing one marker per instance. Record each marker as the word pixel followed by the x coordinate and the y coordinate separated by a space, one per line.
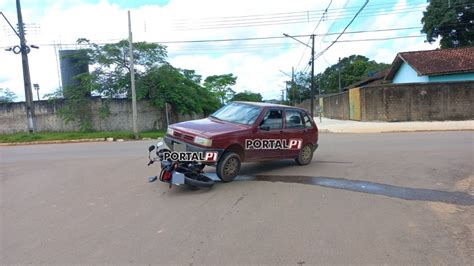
pixel 456 64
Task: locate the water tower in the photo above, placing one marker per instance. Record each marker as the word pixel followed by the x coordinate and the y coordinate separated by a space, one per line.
pixel 72 64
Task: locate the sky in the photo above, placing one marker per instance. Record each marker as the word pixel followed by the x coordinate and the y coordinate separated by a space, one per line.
pixel 261 65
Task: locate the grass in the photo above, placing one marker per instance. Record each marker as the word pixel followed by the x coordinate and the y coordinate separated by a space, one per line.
pixel 45 136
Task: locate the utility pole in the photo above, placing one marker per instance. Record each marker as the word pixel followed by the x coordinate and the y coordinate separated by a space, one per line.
pixel 293 84
pixel 24 50
pixel 312 67
pixel 30 109
pixel 339 70
pixel 312 76
pixel 132 78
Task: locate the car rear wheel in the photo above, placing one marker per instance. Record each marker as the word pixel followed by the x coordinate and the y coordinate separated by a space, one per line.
pixel 228 166
pixel 306 155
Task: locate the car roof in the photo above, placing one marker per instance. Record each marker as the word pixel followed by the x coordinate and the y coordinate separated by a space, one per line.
pixel 262 104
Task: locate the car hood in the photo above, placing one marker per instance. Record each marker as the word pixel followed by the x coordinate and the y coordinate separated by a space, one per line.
pixel 207 127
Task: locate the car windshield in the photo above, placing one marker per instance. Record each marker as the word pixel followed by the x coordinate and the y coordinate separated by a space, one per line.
pixel 238 113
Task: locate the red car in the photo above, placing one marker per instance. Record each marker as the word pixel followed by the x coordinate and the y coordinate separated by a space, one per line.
pixel 248 132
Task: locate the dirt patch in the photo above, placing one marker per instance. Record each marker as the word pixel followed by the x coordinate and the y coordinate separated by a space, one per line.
pixel 444 208
pixel 466 185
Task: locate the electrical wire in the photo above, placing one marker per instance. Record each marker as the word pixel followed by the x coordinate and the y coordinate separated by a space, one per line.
pixel 315 28
pixel 112 41
pixel 343 31
pixel 286 14
pixel 303 16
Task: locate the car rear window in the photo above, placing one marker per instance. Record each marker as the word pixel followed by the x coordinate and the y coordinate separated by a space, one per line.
pixel 238 113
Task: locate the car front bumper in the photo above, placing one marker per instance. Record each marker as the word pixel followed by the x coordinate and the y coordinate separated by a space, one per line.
pixel 171 141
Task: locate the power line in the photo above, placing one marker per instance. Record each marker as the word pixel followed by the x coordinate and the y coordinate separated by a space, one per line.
pixel 104 42
pixel 288 18
pixel 274 22
pixel 383 39
pixel 196 51
pixel 315 28
pixel 322 16
pixel 343 31
pixel 285 14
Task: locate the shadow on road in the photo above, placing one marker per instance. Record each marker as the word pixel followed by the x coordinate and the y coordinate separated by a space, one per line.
pixel 406 193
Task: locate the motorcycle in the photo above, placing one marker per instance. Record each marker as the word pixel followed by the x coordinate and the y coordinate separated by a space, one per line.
pixel 176 172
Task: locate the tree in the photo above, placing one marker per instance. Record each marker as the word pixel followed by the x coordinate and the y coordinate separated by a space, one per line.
pixel 112 65
pixel 353 69
pixel 7 96
pixel 247 96
pixel 452 21
pixel 180 88
pixel 220 84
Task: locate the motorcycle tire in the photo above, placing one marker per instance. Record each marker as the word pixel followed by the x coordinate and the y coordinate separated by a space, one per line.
pixel 200 181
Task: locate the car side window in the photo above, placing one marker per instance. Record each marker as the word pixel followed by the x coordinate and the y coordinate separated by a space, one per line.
pixel 307 121
pixel 273 119
pixel 293 119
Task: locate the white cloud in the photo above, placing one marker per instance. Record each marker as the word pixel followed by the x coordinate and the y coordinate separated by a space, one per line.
pixel 255 63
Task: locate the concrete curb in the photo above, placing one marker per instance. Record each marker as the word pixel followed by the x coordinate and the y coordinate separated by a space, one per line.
pixel 52 142
pixel 69 141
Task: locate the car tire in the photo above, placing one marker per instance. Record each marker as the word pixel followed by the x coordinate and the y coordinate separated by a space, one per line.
pixel 228 166
pixel 306 155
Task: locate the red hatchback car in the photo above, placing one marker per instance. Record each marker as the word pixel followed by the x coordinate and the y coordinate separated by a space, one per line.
pixel 248 132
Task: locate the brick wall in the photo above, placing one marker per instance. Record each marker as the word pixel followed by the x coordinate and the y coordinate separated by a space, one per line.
pixel 13 117
pixel 337 106
pixel 418 101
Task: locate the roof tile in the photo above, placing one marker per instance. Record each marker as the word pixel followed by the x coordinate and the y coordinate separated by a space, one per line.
pixel 441 61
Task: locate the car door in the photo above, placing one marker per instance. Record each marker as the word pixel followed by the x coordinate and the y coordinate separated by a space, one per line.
pixel 270 127
pixel 293 132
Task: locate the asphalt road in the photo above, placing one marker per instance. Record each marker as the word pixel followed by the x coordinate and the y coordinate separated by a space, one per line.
pixel 395 198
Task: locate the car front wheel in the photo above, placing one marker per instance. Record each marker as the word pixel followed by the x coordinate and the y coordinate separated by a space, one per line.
pixel 306 155
pixel 228 166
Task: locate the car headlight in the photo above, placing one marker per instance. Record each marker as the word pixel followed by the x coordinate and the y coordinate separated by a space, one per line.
pixel 203 141
pixel 170 131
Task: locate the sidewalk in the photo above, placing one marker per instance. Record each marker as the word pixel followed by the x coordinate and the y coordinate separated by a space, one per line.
pixel 349 126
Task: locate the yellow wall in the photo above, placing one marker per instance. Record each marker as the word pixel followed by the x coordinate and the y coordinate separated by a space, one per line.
pixel 354 104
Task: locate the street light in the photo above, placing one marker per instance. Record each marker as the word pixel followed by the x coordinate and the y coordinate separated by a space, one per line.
pixel 312 67
pixel 37 88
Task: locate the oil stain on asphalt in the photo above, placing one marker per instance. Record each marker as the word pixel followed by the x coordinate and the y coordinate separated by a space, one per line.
pixel 405 193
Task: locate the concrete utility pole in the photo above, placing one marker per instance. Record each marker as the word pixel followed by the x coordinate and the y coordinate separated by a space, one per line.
pixel 30 109
pixel 293 84
pixel 132 78
pixel 312 76
pixel 312 67
pixel 339 70
pixel 24 50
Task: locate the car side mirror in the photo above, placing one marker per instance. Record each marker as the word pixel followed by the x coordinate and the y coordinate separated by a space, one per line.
pixel 151 148
pixel 266 128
